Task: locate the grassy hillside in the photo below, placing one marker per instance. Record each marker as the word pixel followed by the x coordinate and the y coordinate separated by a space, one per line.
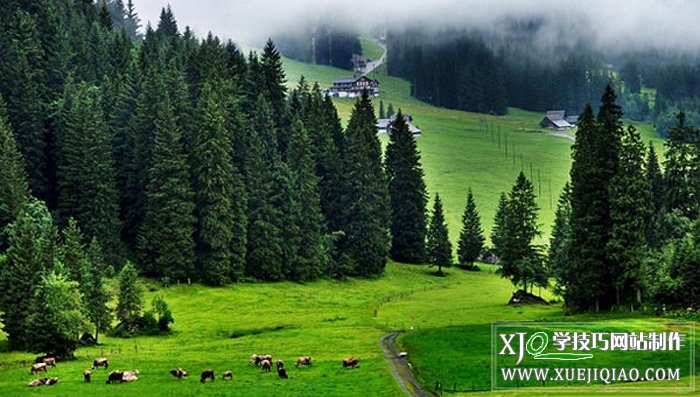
pixel 459 151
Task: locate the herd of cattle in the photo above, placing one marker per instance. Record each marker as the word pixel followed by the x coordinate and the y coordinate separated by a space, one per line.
pixel 264 361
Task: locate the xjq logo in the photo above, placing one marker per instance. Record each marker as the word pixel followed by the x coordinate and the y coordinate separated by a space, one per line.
pixel 535 346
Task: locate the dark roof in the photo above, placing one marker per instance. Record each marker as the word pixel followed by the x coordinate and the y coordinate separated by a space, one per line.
pixel 351 79
pixel 555 114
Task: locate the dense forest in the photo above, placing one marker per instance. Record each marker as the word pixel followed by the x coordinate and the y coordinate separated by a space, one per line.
pixel 181 155
pixel 491 74
pixel 321 44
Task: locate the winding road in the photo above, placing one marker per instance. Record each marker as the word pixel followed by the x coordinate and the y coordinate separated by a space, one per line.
pixel 399 367
pixel 377 62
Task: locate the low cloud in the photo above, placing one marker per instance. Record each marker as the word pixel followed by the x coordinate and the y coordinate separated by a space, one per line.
pixel 615 25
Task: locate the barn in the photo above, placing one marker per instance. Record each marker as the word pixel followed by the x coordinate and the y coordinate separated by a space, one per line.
pixel 555 119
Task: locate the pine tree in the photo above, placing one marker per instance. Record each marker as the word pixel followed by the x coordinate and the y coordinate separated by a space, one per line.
pixel 29 256
pixel 166 239
pixel 677 168
pixel 167 25
pixel 56 317
pixel 22 87
pixel 130 297
pixel 631 207
pixel 366 206
pixel 390 111
pixel 471 238
pixel 408 194
pixel 595 155
pixel 264 242
pixel 655 178
pixel 499 224
pixel 438 246
pixel 14 191
pixel 382 113
pixel 73 250
pixel 132 24
pixel 559 242
pixel 87 166
pixel 96 298
pixel 213 170
pixel 310 219
pixel 274 90
pixel 520 259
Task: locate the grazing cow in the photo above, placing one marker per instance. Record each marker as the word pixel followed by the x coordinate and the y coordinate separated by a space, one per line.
pixel 100 362
pixel 51 381
pixel 306 360
pixel 37 382
pixel 351 362
pixel 115 376
pixel 36 368
pixel 266 365
pixel 179 373
pixel 257 359
pixel 207 374
pixel 282 373
pixel 228 375
pixel 280 364
pixel 130 376
pixel 50 361
pixel 87 376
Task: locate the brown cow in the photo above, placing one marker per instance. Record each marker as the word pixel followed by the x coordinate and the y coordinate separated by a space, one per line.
pixel 306 360
pixel 228 375
pixel 115 376
pixel 351 362
pixel 179 373
pixel 87 376
pixel 50 361
pixel 207 374
pixel 100 362
pixel 266 365
pixel 36 368
pixel 257 359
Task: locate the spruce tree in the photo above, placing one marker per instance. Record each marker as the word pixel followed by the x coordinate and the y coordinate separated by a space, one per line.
pixel 132 23
pixel 366 207
pixel 595 160
pixel 87 165
pixel 14 191
pixel 129 298
pixel 73 250
pixel 677 168
pixel 274 90
pixel 96 298
pixel 560 240
pixel 166 239
pixel 520 259
pixel 213 171
pixel 264 241
pixel 655 178
pixel 438 246
pixel 408 194
pixel 631 207
pixel 29 256
pixel 167 25
pixel 310 219
pixel 471 238
pixel 390 111
pixel 382 113
pixel 499 224
pixel 56 317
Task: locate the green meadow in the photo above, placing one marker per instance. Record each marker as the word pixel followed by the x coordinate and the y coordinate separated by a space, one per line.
pixel 446 320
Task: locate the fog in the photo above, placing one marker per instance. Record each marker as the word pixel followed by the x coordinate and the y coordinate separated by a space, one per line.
pixel 628 25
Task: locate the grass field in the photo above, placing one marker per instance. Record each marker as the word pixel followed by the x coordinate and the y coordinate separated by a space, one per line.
pixel 220 328
pixel 458 152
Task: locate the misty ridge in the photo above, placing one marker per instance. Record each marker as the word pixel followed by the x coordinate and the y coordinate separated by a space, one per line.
pixel 666 27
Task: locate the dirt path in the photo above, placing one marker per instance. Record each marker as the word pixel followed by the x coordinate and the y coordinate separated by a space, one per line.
pixel 400 368
pixel 562 134
pixel 377 62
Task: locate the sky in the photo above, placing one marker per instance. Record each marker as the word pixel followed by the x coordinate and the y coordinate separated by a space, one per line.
pixel 672 25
